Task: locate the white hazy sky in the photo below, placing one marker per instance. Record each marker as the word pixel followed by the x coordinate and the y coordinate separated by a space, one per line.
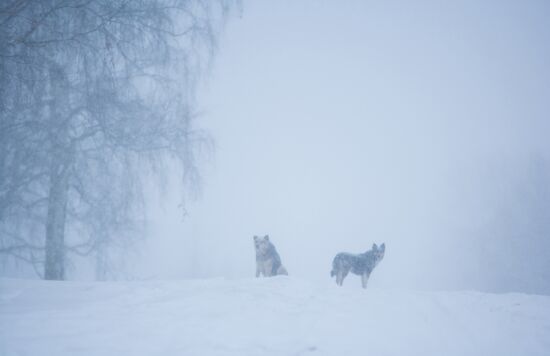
pixel 343 123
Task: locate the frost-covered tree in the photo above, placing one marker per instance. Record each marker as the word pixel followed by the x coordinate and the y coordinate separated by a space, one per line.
pixel 92 93
pixel 515 246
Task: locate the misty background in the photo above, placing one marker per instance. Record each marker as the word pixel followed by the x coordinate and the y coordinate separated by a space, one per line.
pixel 420 124
pixel 335 125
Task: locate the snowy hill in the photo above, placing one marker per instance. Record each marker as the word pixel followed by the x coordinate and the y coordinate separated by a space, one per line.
pixel 278 316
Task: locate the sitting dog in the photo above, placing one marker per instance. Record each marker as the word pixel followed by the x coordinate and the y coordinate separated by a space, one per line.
pixel 361 264
pixel 268 261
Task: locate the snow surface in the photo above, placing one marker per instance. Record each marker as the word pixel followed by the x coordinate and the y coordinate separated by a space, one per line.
pixel 276 316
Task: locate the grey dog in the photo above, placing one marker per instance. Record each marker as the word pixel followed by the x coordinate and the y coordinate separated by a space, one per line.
pixel 268 261
pixel 361 264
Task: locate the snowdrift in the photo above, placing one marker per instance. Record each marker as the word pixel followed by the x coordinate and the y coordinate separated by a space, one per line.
pixel 277 316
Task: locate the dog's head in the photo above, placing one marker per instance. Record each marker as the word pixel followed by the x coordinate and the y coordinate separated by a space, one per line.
pixel 262 244
pixel 379 251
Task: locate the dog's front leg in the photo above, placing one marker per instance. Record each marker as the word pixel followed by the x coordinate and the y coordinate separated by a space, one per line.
pixel 364 279
pixel 257 270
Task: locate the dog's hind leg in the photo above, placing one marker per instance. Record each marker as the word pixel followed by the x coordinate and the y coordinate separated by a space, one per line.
pixel 339 277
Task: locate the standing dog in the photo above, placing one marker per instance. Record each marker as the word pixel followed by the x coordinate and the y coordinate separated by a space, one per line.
pixel 268 261
pixel 361 264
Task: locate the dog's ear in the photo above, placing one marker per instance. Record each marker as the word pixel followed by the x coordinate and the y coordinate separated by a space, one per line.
pixel 266 237
pixel 255 238
pixel 374 247
pixel 383 247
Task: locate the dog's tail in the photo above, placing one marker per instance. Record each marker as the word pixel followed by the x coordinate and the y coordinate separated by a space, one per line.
pixel 282 271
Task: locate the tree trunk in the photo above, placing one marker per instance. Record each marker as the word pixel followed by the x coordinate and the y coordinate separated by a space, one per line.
pixel 101 262
pixel 60 155
pixel 55 224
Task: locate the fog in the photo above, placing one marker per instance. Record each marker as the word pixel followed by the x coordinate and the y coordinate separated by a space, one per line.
pixel 148 147
pixel 336 125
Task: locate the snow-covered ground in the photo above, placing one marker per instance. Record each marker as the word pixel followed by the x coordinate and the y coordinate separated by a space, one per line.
pixel 277 316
